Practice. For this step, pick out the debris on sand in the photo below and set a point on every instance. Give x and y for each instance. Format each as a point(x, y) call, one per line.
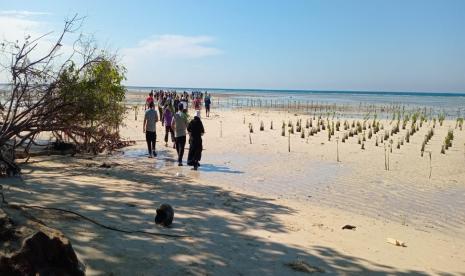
point(348, 227)
point(302, 266)
point(396, 242)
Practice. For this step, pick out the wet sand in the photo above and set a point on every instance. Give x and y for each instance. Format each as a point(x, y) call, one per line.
point(254, 208)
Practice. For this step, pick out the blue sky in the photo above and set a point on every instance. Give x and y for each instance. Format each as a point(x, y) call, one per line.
point(377, 45)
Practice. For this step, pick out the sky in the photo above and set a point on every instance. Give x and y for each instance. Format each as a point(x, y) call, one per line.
point(367, 45)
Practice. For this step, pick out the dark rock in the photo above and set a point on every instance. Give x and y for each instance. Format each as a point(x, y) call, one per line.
point(42, 255)
point(348, 227)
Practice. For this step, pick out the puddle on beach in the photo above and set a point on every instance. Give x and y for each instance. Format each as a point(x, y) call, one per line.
point(262, 173)
point(163, 160)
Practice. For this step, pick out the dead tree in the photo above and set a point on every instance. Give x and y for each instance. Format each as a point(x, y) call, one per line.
point(60, 95)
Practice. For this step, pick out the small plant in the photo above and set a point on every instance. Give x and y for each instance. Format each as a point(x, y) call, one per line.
point(407, 137)
point(459, 123)
point(359, 140)
point(329, 135)
point(441, 118)
point(271, 125)
point(363, 146)
point(376, 143)
point(262, 127)
point(250, 128)
point(302, 134)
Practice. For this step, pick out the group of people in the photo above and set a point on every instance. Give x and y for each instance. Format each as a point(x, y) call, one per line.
point(172, 112)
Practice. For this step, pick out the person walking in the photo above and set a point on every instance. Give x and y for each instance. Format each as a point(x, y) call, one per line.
point(149, 128)
point(179, 125)
point(196, 130)
point(207, 103)
point(167, 118)
point(149, 100)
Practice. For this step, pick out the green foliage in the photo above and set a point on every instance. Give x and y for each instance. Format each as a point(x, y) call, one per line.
point(94, 96)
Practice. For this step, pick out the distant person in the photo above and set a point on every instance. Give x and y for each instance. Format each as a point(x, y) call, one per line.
point(176, 104)
point(196, 130)
point(207, 103)
point(197, 103)
point(149, 128)
point(179, 125)
point(149, 100)
point(167, 118)
point(161, 104)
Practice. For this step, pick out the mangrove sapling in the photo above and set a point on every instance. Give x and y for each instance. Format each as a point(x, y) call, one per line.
point(459, 123)
point(250, 128)
point(398, 144)
point(262, 127)
point(310, 125)
point(307, 124)
point(376, 143)
point(329, 135)
point(302, 134)
point(407, 137)
point(370, 134)
point(441, 118)
point(359, 140)
point(271, 125)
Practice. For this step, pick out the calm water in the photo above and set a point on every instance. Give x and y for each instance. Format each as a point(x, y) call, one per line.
point(453, 104)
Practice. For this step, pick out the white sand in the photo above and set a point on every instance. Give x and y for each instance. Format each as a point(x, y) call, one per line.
point(252, 208)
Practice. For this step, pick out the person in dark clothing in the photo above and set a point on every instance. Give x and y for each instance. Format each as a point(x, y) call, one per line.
point(196, 130)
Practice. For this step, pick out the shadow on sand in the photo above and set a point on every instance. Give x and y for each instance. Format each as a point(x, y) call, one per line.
point(219, 222)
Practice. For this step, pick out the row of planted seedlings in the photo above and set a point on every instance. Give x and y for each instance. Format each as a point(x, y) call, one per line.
point(447, 141)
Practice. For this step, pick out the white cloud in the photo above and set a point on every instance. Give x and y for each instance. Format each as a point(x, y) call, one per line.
point(152, 60)
point(172, 46)
point(17, 13)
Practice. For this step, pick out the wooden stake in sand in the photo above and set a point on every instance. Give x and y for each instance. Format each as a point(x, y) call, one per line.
point(337, 148)
point(221, 129)
point(289, 141)
point(430, 165)
point(135, 112)
point(250, 138)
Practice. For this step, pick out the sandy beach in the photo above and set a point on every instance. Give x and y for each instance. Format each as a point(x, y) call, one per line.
point(254, 208)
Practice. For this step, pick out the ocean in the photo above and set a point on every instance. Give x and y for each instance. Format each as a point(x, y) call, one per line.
point(452, 104)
